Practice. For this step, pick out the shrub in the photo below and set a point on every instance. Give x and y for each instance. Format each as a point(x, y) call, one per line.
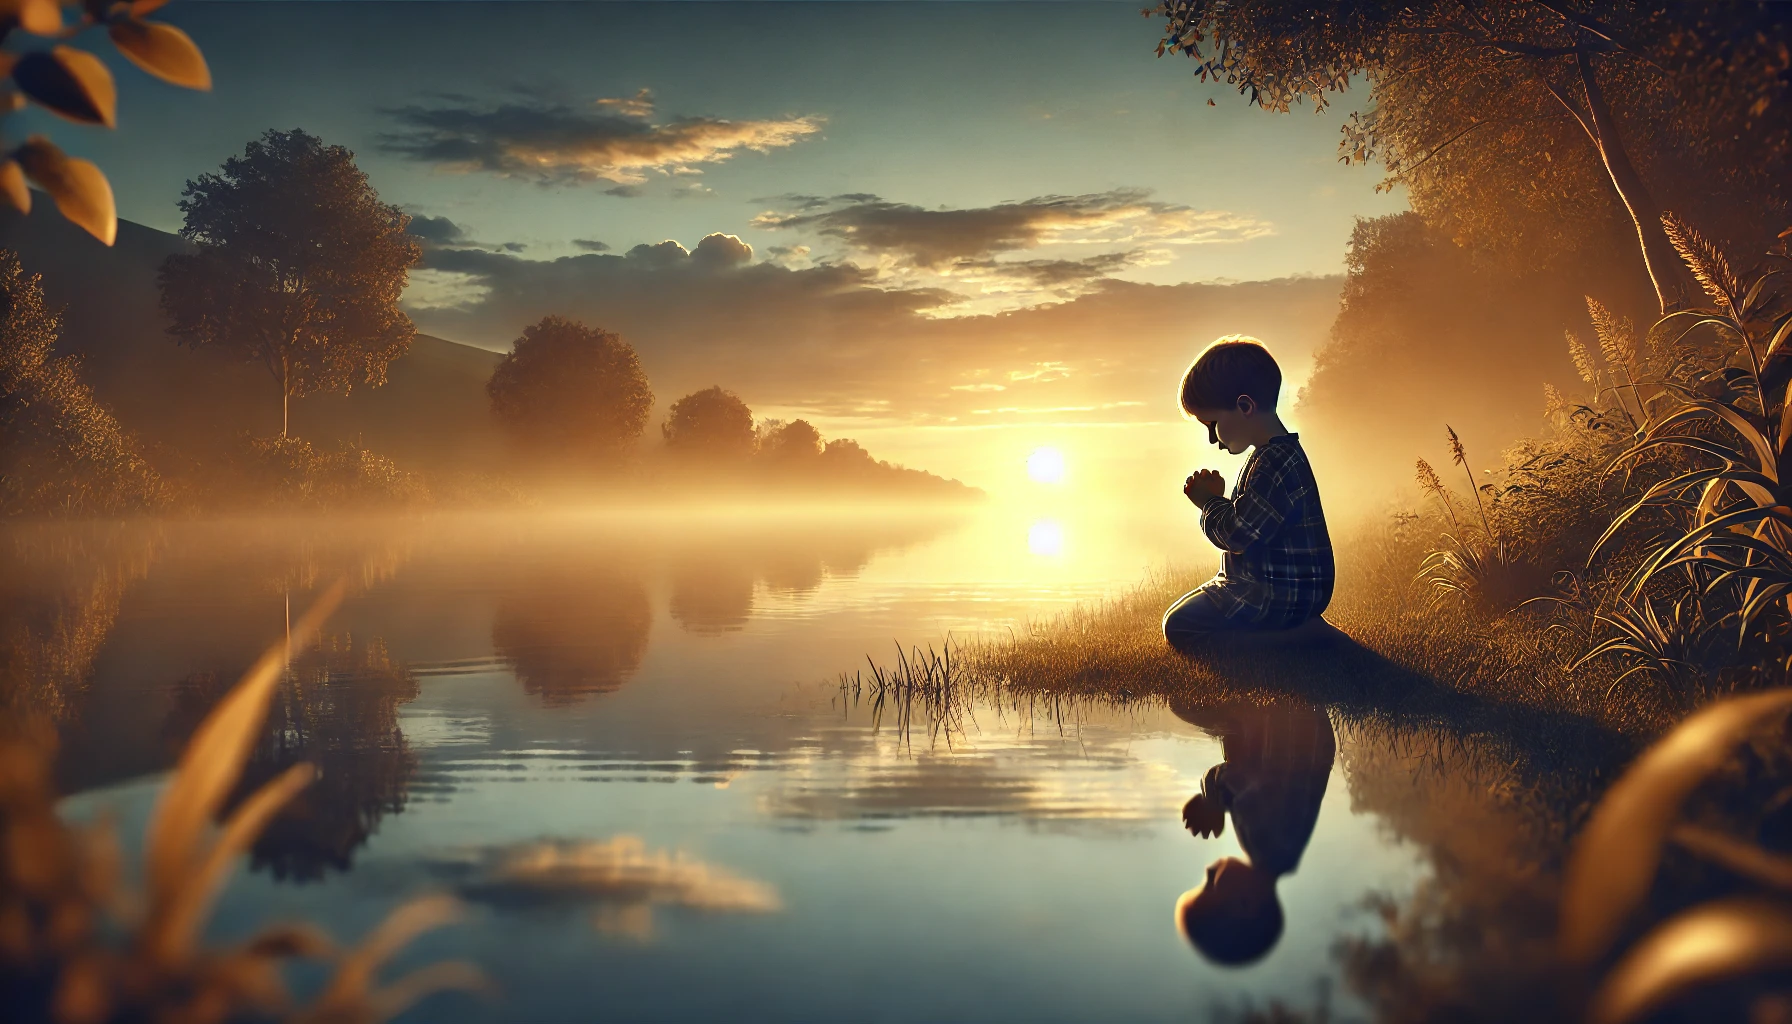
point(61, 452)
point(290, 472)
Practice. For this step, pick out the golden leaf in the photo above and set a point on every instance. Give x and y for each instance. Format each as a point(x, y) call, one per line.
point(69, 82)
point(162, 50)
point(141, 7)
point(79, 188)
point(1717, 941)
point(1613, 863)
point(38, 17)
point(12, 185)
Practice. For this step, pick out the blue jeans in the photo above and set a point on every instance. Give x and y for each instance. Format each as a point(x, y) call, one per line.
point(1195, 616)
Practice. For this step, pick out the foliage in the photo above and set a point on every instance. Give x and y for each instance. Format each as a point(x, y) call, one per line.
point(710, 424)
point(1484, 569)
point(60, 592)
point(1529, 128)
point(796, 441)
point(571, 391)
point(79, 947)
point(61, 452)
point(1615, 861)
point(291, 473)
point(76, 85)
point(1717, 436)
point(297, 265)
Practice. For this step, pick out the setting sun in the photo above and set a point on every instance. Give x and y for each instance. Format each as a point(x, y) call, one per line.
point(1046, 465)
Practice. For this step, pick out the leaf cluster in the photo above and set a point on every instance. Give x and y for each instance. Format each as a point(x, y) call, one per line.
point(76, 85)
point(1473, 106)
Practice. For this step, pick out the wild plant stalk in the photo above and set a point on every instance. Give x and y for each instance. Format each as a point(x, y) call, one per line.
point(1461, 458)
point(1429, 480)
point(1617, 341)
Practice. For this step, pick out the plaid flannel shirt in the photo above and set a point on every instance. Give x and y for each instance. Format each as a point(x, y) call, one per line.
point(1277, 570)
point(1278, 759)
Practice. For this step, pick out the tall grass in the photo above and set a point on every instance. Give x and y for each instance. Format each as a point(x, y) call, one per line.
point(78, 945)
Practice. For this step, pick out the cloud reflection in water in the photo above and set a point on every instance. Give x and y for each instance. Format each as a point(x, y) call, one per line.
point(620, 878)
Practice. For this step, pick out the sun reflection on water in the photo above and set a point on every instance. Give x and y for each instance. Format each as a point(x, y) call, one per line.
point(1046, 537)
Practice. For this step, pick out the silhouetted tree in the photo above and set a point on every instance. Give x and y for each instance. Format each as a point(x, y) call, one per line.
point(1515, 124)
point(297, 265)
point(710, 423)
point(338, 710)
point(572, 631)
point(571, 391)
point(60, 449)
point(796, 441)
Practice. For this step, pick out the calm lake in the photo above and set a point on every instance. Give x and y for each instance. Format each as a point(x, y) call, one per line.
point(621, 739)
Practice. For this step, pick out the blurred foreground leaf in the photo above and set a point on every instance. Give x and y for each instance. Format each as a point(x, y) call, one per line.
point(69, 82)
point(79, 188)
point(1614, 861)
point(162, 50)
point(1711, 943)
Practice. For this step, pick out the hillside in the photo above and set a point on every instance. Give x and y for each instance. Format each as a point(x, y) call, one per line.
point(190, 404)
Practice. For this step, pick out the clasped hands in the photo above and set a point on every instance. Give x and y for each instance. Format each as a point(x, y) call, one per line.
point(1205, 814)
point(1204, 484)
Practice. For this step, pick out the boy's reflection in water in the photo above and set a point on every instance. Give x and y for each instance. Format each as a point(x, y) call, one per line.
point(1278, 758)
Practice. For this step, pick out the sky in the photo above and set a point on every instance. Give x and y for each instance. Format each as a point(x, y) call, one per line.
point(925, 225)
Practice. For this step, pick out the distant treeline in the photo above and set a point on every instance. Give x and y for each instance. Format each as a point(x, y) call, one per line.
point(289, 261)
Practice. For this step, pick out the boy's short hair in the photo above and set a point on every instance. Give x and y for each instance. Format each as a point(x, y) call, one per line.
point(1227, 932)
point(1232, 366)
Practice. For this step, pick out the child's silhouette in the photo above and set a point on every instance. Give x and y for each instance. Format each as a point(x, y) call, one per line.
point(1277, 567)
point(1278, 758)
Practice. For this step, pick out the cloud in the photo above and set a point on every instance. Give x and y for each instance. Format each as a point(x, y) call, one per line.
point(721, 250)
point(591, 245)
point(940, 238)
point(553, 142)
point(436, 230)
point(817, 339)
point(619, 878)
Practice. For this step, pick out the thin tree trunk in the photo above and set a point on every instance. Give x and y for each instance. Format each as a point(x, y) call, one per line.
point(1659, 258)
point(285, 395)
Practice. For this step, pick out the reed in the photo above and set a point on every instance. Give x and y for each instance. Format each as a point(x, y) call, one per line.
point(78, 945)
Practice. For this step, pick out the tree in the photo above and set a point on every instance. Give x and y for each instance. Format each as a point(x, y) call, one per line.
point(571, 390)
point(795, 441)
point(1523, 126)
point(60, 449)
point(710, 423)
point(298, 266)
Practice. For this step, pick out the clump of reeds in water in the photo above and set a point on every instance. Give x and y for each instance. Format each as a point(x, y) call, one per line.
point(924, 681)
point(78, 945)
point(939, 692)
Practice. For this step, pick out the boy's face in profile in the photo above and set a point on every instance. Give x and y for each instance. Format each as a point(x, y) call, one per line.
point(1225, 427)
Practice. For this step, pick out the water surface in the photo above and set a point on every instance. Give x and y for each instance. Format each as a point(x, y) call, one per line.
point(620, 738)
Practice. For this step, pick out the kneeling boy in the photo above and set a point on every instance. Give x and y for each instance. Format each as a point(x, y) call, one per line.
point(1277, 569)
